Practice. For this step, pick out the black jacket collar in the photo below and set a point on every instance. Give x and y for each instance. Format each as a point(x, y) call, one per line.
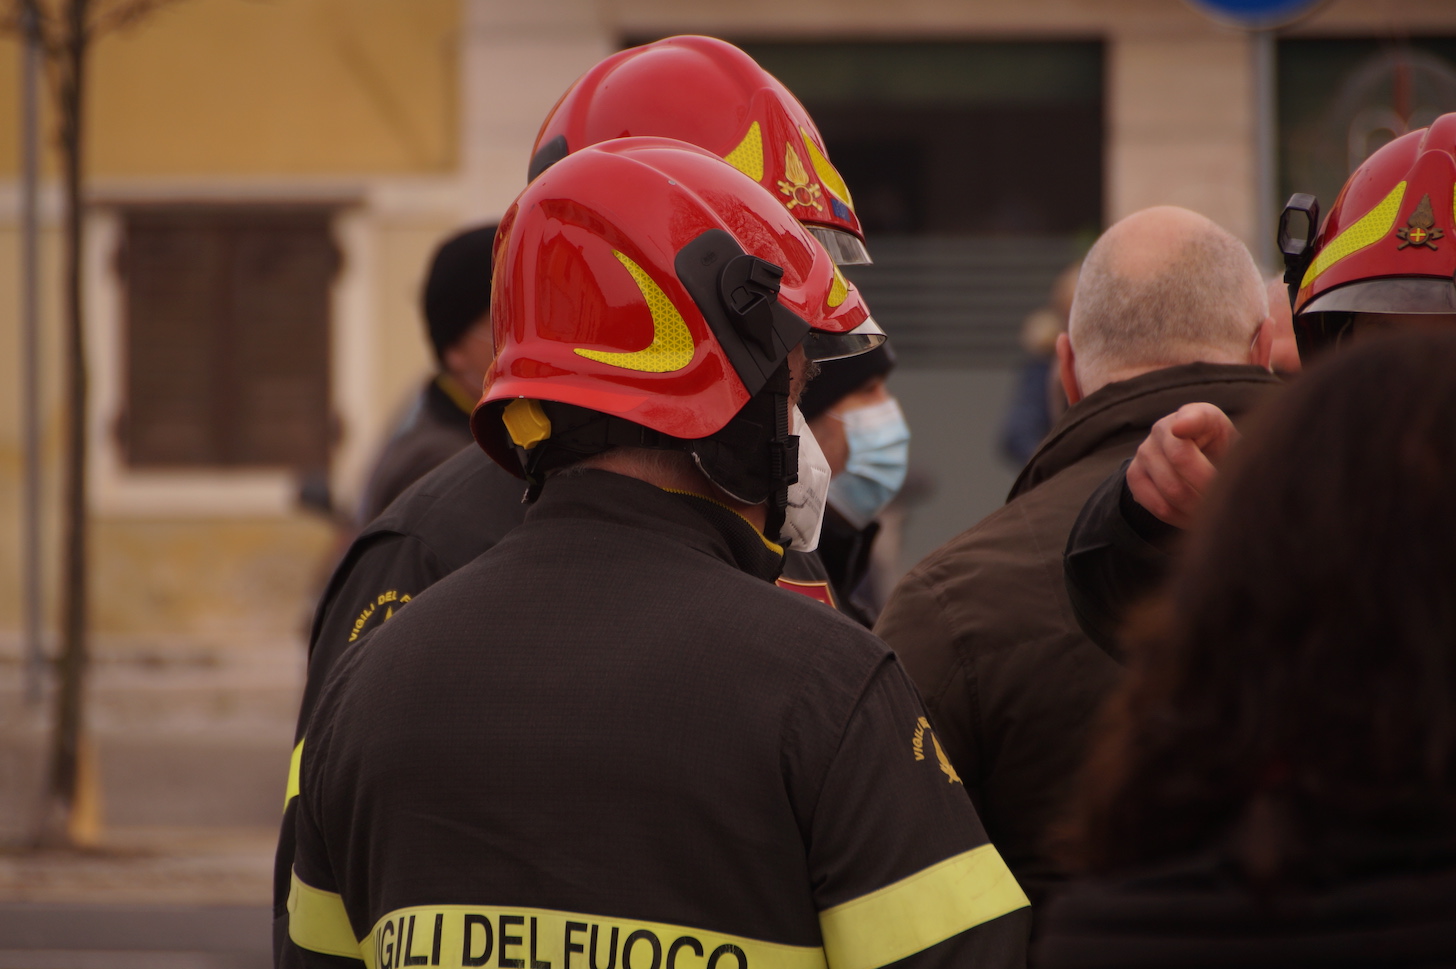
point(696, 521)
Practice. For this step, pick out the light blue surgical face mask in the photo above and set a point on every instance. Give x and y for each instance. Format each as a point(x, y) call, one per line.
point(879, 454)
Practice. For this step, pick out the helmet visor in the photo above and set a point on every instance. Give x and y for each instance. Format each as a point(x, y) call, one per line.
point(819, 345)
point(1394, 295)
point(845, 249)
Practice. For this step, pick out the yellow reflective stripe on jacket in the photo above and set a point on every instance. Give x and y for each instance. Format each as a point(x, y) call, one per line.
point(295, 767)
point(870, 931)
point(317, 921)
point(915, 913)
point(455, 936)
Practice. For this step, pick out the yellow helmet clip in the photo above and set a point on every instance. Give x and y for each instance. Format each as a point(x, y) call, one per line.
point(526, 422)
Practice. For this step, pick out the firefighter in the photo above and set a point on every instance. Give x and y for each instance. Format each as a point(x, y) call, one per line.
point(696, 89)
point(866, 440)
point(610, 740)
point(456, 304)
point(1383, 259)
point(707, 92)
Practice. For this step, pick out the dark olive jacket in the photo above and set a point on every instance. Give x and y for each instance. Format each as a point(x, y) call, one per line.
point(985, 628)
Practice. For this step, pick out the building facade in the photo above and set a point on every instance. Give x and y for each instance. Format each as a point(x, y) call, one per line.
point(266, 183)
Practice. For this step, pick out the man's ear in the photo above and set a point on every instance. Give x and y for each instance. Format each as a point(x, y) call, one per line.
point(1261, 351)
point(453, 360)
point(1067, 368)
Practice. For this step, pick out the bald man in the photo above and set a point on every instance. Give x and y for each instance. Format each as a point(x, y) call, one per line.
point(1169, 309)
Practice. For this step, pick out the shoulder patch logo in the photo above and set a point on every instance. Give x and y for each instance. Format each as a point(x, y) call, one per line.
point(917, 747)
point(386, 601)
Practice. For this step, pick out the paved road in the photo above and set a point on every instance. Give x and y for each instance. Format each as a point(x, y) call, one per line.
point(52, 936)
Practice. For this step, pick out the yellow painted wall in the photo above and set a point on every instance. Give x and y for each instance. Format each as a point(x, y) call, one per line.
point(234, 88)
point(404, 358)
point(208, 91)
point(245, 581)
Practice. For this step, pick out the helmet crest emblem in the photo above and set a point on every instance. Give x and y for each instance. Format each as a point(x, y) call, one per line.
point(1419, 230)
point(797, 187)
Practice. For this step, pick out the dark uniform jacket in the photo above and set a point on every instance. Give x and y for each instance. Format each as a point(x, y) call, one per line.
point(440, 523)
point(845, 553)
point(985, 629)
point(611, 741)
point(436, 427)
point(1197, 913)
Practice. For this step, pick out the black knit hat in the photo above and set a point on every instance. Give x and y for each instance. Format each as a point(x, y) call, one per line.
point(838, 379)
point(457, 292)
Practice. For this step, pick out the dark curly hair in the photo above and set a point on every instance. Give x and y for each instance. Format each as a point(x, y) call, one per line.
point(1292, 698)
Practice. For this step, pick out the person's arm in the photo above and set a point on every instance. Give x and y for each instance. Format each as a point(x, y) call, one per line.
point(1119, 550)
point(379, 575)
point(901, 868)
point(1175, 465)
point(914, 625)
point(312, 930)
point(1117, 553)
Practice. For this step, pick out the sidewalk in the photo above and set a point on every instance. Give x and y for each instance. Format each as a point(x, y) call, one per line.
point(192, 747)
point(168, 865)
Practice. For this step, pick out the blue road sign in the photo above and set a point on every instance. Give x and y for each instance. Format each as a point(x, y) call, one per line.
point(1256, 14)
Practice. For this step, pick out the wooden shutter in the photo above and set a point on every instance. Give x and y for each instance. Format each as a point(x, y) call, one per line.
point(227, 336)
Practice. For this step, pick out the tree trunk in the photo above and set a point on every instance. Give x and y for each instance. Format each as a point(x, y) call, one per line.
point(58, 817)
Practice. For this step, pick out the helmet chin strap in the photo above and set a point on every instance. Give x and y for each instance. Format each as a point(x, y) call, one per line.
point(754, 458)
point(783, 449)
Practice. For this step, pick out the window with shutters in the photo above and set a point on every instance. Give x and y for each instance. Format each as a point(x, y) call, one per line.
point(226, 336)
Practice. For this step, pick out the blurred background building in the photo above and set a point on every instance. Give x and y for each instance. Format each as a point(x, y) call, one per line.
point(267, 181)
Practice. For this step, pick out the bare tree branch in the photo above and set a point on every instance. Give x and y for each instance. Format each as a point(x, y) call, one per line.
point(123, 14)
point(103, 18)
point(64, 29)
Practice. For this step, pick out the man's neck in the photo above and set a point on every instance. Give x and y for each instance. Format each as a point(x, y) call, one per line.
point(1099, 380)
point(672, 475)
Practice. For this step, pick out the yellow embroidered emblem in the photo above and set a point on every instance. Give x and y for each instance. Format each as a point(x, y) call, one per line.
point(917, 747)
point(385, 599)
point(798, 188)
point(672, 343)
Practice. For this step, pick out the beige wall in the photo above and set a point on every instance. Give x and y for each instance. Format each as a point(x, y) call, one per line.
point(420, 116)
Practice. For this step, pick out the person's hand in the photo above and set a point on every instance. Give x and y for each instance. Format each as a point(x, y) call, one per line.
point(1176, 464)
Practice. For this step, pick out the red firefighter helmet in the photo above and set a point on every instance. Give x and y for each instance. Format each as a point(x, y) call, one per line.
point(648, 282)
point(709, 93)
point(1388, 245)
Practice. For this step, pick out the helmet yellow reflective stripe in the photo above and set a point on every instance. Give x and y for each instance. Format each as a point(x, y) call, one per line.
point(748, 156)
point(838, 290)
point(1370, 229)
point(828, 175)
point(672, 345)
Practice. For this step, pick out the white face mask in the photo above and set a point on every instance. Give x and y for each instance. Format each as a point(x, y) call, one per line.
point(805, 514)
